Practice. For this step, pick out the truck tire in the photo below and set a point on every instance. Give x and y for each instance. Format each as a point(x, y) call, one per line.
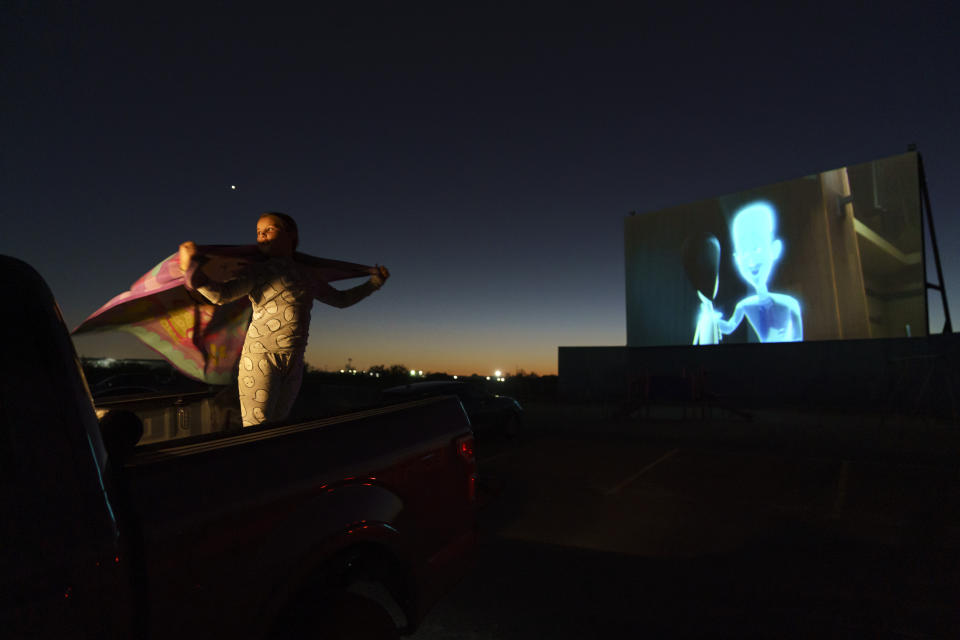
point(357, 618)
point(343, 616)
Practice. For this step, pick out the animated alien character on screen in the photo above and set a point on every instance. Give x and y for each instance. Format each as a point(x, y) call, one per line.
point(775, 317)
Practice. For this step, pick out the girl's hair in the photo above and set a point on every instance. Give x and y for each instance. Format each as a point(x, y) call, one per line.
point(289, 225)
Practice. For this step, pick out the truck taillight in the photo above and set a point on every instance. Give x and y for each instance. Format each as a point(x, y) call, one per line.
point(465, 448)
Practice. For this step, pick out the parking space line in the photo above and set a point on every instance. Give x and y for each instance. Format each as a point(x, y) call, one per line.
point(616, 489)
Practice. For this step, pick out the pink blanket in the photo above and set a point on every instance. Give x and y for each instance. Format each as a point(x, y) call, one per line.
point(200, 339)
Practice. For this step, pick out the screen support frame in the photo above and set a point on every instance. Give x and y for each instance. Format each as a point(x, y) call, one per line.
point(941, 286)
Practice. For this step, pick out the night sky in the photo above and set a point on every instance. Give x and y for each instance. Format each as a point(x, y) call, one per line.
point(487, 156)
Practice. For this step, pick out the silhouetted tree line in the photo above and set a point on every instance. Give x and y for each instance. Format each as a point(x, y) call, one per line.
point(522, 385)
point(97, 369)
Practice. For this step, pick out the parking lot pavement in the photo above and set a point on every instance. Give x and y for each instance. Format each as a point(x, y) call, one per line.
point(597, 535)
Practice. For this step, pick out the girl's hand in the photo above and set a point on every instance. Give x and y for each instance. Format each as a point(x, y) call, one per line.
point(380, 276)
point(187, 251)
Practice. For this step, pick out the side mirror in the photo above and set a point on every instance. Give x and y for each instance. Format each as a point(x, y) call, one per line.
point(121, 431)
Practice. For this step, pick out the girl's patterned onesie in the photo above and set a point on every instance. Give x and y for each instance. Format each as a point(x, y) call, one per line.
point(271, 365)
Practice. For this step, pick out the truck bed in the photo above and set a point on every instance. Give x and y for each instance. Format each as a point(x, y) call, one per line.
point(247, 510)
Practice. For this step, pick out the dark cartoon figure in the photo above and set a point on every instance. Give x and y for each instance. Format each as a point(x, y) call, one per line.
point(701, 260)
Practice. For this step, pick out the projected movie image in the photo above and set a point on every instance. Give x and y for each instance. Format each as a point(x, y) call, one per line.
point(836, 255)
point(774, 317)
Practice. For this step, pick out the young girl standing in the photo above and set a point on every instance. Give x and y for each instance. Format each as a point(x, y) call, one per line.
point(281, 293)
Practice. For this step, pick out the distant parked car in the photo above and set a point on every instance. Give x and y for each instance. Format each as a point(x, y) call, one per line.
point(487, 411)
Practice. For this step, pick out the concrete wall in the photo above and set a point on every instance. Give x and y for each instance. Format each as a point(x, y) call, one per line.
point(915, 375)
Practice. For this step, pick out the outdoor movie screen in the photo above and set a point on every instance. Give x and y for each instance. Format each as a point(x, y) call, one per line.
point(835, 255)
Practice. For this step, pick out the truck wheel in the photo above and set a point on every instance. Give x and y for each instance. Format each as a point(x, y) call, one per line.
point(353, 617)
point(340, 616)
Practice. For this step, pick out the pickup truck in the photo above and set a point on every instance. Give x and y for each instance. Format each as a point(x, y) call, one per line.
point(350, 525)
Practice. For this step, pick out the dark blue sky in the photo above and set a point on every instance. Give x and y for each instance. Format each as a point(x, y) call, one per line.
point(487, 156)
